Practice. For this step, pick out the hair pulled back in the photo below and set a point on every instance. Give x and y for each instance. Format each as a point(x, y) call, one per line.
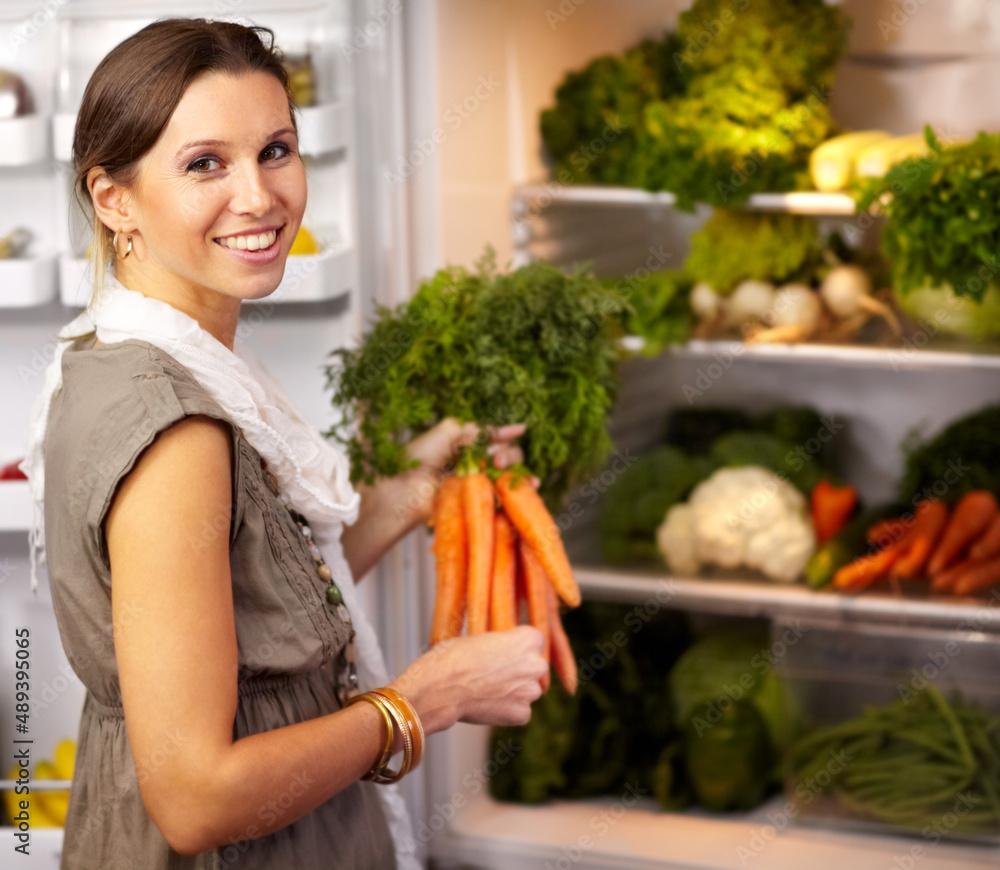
point(135, 89)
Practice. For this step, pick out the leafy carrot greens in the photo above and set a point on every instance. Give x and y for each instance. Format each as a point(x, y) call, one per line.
point(534, 346)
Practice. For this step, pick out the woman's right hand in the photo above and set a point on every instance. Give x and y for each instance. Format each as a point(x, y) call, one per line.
point(486, 679)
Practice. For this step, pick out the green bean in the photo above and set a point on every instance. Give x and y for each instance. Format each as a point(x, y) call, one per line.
point(963, 744)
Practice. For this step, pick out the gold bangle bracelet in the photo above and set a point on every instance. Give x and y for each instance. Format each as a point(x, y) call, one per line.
point(404, 732)
point(380, 774)
point(379, 768)
point(412, 720)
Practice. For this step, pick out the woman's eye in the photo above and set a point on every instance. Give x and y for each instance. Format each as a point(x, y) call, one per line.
point(275, 151)
point(204, 164)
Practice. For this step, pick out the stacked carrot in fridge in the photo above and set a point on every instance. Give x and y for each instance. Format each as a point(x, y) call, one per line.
point(956, 549)
point(501, 561)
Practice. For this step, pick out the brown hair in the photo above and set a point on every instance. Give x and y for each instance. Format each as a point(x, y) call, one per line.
point(135, 89)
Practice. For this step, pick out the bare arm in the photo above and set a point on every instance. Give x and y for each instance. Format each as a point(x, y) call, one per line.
point(175, 645)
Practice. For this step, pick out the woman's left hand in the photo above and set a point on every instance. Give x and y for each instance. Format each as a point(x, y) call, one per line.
point(437, 448)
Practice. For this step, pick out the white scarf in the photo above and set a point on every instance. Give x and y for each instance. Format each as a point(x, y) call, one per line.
point(314, 474)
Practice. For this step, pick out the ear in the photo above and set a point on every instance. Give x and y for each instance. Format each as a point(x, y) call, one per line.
point(112, 202)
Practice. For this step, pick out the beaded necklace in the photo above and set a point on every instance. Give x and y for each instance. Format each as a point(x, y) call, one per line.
point(347, 685)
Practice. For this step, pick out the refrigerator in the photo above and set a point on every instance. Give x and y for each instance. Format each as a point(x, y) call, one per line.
point(422, 148)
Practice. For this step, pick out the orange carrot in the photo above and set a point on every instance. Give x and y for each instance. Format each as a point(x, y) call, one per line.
point(929, 523)
point(944, 581)
point(866, 570)
point(888, 532)
point(451, 561)
point(535, 583)
point(972, 515)
point(562, 652)
point(526, 510)
point(503, 603)
point(477, 498)
point(978, 576)
point(988, 544)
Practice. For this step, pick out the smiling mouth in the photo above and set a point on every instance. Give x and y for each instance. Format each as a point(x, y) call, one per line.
point(250, 242)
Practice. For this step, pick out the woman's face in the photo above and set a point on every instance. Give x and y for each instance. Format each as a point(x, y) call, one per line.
point(220, 196)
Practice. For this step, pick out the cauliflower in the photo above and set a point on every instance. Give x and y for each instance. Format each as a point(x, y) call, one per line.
point(676, 537)
point(747, 517)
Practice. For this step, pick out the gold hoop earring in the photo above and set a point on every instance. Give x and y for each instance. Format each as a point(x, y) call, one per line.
point(128, 245)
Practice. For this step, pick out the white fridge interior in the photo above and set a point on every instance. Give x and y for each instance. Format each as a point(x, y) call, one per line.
point(907, 65)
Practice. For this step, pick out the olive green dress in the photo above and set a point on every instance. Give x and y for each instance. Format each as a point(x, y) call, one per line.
point(114, 401)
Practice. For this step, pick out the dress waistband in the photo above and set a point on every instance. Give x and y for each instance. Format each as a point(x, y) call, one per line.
point(261, 685)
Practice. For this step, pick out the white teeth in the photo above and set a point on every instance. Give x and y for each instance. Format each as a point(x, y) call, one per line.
point(249, 243)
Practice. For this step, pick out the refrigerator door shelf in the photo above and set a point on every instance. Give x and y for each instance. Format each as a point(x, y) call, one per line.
point(26, 140)
point(15, 506)
point(27, 282)
point(323, 129)
point(328, 275)
point(534, 196)
point(44, 852)
point(331, 274)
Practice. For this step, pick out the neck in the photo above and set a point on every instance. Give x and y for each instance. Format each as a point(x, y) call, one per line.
point(217, 314)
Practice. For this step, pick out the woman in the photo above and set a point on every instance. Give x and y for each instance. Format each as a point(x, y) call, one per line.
point(193, 520)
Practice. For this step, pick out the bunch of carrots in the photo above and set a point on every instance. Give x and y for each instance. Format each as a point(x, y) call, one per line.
point(501, 561)
point(957, 550)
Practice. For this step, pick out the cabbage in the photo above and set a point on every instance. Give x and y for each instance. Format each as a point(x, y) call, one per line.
point(944, 311)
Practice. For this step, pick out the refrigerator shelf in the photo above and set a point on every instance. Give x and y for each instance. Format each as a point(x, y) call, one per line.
point(27, 282)
point(38, 784)
point(805, 202)
point(943, 354)
point(331, 274)
point(599, 834)
point(15, 512)
point(746, 597)
point(26, 140)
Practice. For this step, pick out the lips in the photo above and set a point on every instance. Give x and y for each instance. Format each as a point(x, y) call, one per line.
point(249, 241)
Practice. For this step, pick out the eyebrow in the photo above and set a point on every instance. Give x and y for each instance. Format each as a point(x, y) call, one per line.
point(216, 143)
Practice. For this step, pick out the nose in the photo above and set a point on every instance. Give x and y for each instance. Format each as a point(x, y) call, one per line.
point(251, 194)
